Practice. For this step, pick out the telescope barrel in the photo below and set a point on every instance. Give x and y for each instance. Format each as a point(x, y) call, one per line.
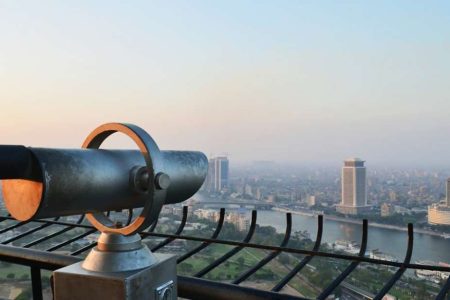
point(16, 162)
point(187, 171)
point(43, 182)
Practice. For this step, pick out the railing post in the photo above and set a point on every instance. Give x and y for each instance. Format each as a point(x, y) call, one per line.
point(36, 283)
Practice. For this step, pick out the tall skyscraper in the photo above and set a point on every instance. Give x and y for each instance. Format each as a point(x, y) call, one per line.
point(354, 182)
point(218, 170)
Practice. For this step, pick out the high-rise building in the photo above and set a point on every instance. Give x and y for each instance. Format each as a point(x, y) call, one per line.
point(354, 183)
point(248, 190)
point(218, 170)
point(258, 193)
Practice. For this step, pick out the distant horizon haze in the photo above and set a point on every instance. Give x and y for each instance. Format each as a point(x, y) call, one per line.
point(301, 82)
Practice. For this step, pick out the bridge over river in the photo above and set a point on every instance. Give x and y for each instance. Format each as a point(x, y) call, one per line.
point(254, 204)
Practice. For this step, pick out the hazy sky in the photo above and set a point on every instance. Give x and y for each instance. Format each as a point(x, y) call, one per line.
point(295, 80)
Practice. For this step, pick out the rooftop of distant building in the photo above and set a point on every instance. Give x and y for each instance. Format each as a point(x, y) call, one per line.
point(354, 159)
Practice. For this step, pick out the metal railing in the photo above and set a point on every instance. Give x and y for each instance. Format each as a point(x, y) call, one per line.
point(195, 286)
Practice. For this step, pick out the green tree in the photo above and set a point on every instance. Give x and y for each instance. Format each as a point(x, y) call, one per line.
point(24, 277)
point(284, 259)
point(186, 267)
point(24, 295)
point(241, 261)
point(46, 281)
point(421, 291)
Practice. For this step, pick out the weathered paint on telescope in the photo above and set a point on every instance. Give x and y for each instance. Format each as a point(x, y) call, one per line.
point(76, 181)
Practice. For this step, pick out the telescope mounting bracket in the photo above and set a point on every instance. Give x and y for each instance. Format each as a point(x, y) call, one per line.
point(155, 192)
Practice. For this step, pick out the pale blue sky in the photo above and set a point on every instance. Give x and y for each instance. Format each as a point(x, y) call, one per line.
point(280, 80)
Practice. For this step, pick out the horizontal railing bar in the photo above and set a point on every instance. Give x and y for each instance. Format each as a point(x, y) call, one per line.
point(24, 234)
point(35, 258)
point(188, 287)
point(272, 248)
point(295, 270)
point(69, 241)
point(205, 244)
point(199, 288)
point(178, 232)
point(3, 230)
point(83, 249)
point(48, 237)
point(230, 253)
point(304, 252)
point(54, 222)
point(270, 256)
point(341, 277)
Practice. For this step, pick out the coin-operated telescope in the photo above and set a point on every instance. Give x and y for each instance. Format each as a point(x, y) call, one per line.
point(42, 183)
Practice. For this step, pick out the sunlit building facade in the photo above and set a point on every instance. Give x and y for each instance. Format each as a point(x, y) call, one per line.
point(439, 214)
point(354, 183)
point(387, 210)
point(218, 173)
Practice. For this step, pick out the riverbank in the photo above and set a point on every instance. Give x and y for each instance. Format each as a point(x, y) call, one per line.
point(359, 222)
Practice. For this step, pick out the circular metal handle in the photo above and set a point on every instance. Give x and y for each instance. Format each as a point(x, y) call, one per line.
point(153, 162)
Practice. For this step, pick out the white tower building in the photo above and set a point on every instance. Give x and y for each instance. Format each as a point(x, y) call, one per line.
point(354, 187)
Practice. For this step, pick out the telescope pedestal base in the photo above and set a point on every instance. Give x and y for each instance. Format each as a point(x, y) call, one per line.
point(157, 282)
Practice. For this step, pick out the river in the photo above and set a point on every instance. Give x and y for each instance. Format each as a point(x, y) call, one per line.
point(392, 242)
point(389, 241)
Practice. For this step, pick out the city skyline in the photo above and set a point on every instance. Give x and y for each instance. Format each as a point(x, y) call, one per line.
point(317, 164)
point(300, 82)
